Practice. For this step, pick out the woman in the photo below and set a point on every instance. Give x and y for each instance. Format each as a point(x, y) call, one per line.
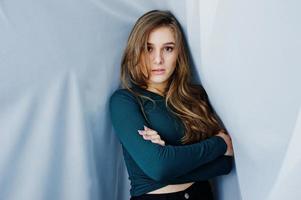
point(172, 141)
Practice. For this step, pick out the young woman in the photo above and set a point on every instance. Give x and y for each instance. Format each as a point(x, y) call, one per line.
point(171, 138)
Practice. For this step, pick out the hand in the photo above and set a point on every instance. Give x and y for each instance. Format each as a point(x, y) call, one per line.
point(228, 141)
point(152, 135)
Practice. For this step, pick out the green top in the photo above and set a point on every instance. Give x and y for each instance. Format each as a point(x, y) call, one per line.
point(151, 166)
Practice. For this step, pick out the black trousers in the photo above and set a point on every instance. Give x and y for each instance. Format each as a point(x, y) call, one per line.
point(197, 191)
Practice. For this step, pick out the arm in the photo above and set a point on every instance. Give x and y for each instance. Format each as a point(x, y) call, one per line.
point(158, 162)
point(220, 166)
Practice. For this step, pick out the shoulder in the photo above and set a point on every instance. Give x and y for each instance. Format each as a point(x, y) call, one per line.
point(122, 95)
point(121, 92)
point(122, 102)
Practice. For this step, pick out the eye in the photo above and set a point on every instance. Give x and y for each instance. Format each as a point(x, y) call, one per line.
point(168, 49)
point(149, 49)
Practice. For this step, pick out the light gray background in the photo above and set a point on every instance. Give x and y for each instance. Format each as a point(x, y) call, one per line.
point(59, 63)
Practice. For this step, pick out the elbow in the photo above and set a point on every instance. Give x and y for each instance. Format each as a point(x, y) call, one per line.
point(228, 165)
point(227, 170)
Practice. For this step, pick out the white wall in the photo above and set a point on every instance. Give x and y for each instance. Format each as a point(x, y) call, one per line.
point(59, 62)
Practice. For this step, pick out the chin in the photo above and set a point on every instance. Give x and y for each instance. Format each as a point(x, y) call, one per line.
point(158, 81)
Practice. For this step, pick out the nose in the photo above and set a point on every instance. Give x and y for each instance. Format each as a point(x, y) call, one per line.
point(158, 59)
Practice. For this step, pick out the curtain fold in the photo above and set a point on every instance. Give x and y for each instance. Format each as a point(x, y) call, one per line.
point(60, 62)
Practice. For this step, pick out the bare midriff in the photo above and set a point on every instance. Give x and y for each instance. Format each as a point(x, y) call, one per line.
point(171, 188)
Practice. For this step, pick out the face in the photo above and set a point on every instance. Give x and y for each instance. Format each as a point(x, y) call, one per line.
point(162, 56)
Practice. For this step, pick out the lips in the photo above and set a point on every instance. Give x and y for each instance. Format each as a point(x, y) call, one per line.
point(158, 71)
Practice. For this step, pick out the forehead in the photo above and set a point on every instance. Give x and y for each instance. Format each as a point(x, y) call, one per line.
point(161, 35)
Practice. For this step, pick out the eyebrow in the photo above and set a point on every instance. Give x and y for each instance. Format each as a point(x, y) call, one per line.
point(167, 43)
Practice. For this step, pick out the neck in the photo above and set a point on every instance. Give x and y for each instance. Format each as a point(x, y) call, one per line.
point(157, 88)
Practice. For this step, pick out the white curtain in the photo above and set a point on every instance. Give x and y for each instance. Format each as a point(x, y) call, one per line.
point(59, 63)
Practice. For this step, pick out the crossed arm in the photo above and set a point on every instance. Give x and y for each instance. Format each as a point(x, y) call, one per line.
point(220, 166)
point(166, 163)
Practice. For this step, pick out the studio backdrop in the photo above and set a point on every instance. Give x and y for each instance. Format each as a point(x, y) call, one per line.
point(60, 62)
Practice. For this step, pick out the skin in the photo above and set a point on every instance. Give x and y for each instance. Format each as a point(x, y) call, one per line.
point(162, 54)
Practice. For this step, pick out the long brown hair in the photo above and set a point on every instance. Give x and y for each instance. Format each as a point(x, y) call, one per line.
point(187, 101)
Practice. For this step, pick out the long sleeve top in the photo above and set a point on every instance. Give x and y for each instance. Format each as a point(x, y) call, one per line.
point(151, 166)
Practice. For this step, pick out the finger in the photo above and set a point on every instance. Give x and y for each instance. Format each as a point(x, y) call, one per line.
point(154, 140)
point(153, 137)
point(149, 137)
point(160, 142)
point(141, 132)
point(146, 128)
point(146, 137)
point(151, 132)
point(146, 132)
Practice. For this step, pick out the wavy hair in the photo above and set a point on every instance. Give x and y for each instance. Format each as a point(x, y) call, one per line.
point(187, 101)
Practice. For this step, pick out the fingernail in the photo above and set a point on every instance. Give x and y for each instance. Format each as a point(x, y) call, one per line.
point(140, 132)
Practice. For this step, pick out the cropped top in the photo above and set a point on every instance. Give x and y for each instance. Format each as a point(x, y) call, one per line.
point(151, 166)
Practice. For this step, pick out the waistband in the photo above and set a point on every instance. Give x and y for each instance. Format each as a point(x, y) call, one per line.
point(199, 187)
